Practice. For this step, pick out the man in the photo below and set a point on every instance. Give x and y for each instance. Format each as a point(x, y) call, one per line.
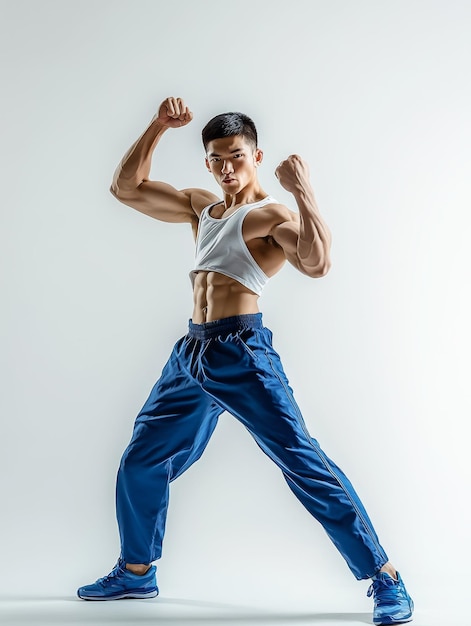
point(227, 362)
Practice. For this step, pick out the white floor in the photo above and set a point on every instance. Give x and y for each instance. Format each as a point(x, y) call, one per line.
point(180, 612)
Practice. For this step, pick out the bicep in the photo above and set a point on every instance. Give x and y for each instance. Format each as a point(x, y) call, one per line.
point(314, 264)
point(286, 236)
point(163, 202)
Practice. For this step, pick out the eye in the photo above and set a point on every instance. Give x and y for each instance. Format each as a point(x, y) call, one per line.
point(237, 156)
point(214, 159)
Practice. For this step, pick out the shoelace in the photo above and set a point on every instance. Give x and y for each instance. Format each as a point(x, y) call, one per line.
point(386, 592)
point(118, 569)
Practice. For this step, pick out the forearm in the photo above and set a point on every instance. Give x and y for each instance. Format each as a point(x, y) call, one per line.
point(314, 239)
point(134, 167)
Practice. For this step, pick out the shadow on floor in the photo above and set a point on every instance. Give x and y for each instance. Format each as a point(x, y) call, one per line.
point(161, 611)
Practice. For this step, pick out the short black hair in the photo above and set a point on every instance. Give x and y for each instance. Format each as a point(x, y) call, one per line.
point(228, 125)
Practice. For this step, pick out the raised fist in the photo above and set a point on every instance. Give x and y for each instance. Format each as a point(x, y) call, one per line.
point(292, 172)
point(174, 113)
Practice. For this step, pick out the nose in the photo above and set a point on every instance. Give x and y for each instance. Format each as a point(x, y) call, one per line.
point(227, 167)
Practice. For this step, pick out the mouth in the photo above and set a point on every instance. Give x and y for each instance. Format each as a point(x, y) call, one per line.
point(227, 181)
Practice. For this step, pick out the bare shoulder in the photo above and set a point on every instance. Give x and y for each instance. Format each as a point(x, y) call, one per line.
point(264, 221)
point(278, 214)
point(163, 202)
point(284, 227)
point(200, 199)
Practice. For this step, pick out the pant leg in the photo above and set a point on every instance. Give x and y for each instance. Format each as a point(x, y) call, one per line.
point(246, 376)
point(170, 433)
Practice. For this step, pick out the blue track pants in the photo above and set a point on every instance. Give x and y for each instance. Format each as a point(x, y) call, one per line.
point(230, 365)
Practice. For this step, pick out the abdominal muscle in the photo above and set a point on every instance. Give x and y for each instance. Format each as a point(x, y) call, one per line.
point(216, 296)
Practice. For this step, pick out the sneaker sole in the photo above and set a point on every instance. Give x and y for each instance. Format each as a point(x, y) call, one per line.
point(390, 620)
point(122, 596)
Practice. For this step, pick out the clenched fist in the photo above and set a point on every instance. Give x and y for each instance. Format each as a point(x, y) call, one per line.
point(293, 173)
point(174, 113)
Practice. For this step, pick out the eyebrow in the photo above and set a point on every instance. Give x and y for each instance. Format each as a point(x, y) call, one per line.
point(214, 154)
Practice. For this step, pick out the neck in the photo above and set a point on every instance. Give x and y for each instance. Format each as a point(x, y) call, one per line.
point(248, 195)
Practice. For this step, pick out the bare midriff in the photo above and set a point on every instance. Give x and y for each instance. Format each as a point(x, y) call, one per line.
point(216, 296)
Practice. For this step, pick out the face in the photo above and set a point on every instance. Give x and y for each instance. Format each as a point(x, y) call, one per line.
point(233, 162)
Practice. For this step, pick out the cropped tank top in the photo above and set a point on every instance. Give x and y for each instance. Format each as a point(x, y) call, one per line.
point(220, 247)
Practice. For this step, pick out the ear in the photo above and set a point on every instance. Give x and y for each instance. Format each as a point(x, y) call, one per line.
point(207, 164)
point(258, 156)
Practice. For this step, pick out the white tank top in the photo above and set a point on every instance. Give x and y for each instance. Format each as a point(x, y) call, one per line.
point(220, 247)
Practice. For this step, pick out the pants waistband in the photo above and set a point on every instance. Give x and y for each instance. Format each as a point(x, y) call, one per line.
point(225, 326)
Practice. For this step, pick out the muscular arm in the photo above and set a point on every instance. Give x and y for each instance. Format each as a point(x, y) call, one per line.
point(131, 184)
point(305, 238)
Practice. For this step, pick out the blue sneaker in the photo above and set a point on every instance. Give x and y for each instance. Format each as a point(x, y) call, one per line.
point(121, 583)
point(393, 605)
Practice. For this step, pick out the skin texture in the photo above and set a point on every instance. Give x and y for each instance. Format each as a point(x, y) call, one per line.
point(273, 233)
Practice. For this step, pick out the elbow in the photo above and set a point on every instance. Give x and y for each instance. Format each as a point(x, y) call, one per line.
point(119, 193)
point(322, 270)
point(319, 270)
point(122, 187)
point(115, 189)
point(315, 262)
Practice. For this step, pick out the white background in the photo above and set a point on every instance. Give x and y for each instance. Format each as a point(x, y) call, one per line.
point(375, 95)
